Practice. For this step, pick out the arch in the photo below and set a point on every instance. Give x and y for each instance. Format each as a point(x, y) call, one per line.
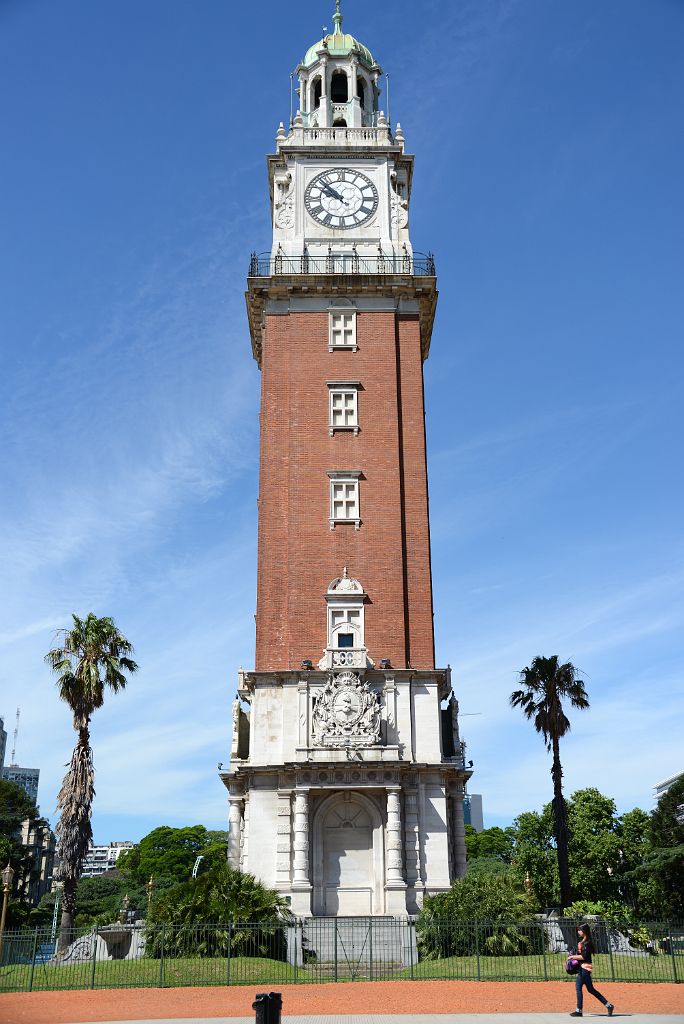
point(348, 896)
point(361, 91)
point(339, 122)
point(316, 92)
point(339, 86)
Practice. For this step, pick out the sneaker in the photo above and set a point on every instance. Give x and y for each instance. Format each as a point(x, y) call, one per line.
point(610, 1008)
point(576, 1013)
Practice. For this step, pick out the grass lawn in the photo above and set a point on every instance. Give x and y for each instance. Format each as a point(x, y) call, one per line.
point(195, 971)
point(624, 967)
point(147, 973)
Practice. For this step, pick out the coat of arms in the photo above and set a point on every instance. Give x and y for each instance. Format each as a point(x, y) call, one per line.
point(347, 713)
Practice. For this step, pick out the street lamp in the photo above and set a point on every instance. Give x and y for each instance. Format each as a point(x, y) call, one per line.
point(123, 916)
point(7, 876)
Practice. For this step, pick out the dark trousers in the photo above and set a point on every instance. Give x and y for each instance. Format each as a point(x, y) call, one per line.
point(584, 978)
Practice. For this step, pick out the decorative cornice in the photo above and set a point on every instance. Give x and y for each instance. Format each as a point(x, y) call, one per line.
point(398, 286)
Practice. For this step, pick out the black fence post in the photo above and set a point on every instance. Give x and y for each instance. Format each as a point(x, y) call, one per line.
point(161, 958)
point(609, 943)
point(542, 932)
point(672, 951)
point(334, 921)
point(33, 960)
point(477, 948)
point(94, 961)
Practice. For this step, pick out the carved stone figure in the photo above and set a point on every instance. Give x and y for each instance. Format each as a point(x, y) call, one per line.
point(284, 201)
point(347, 713)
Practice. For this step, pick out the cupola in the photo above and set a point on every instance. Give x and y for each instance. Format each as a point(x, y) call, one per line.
point(338, 81)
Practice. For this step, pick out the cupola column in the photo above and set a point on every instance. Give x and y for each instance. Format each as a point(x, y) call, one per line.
point(354, 105)
point(324, 115)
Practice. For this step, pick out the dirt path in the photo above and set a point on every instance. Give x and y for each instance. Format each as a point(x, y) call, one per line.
point(348, 998)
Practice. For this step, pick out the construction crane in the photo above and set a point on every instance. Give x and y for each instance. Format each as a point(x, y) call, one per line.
point(13, 762)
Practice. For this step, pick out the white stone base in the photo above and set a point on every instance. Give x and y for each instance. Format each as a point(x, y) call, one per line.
point(300, 901)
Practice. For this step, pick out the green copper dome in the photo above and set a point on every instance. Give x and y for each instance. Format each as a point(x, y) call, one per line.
point(338, 44)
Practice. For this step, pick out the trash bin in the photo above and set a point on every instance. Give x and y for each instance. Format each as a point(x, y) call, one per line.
point(268, 1006)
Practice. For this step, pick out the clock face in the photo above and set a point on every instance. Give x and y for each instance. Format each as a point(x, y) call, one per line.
point(341, 198)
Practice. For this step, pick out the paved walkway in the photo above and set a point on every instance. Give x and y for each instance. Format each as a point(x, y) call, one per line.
point(372, 1002)
point(425, 1018)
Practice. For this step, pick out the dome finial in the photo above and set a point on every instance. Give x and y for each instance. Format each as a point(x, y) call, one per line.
point(337, 19)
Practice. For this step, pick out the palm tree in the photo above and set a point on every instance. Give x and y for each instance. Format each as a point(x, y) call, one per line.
point(546, 685)
point(91, 656)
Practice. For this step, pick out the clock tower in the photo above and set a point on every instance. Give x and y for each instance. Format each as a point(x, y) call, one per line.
point(346, 777)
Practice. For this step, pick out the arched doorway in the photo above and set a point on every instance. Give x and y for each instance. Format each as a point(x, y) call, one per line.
point(348, 859)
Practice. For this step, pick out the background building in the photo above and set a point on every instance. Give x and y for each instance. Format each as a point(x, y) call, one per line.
point(3, 745)
point(472, 811)
point(39, 841)
point(103, 858)
point(27, 778)
point(661, 788)
point(347, 777)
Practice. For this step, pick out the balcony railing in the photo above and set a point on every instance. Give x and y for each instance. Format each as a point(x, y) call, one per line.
point(348, 657)
point(267, 265)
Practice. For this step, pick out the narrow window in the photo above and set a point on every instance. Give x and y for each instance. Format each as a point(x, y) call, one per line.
point(342, 329)
point(344, 497)
point(344, 406)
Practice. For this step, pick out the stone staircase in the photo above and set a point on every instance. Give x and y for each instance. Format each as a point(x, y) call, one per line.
point(360, 947)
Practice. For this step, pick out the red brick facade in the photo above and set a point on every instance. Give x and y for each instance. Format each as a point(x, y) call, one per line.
point(298, 552)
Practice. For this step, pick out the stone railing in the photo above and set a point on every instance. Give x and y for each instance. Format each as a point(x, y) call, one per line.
point(300, 136)
point(348, 657)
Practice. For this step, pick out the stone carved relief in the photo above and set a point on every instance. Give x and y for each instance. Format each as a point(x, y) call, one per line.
point(398, 200)
point(347, 713)
point(345, 584)
point(284, 201)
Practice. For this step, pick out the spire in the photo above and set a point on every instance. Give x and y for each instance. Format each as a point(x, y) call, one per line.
point(337, 19)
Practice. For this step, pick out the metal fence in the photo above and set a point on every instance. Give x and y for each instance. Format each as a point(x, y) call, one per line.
point(267, 265)
point(314, 950)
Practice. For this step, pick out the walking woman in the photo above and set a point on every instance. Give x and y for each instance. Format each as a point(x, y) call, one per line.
point(585, 948)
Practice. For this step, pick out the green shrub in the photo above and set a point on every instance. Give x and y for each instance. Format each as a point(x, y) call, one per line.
point(484, 912)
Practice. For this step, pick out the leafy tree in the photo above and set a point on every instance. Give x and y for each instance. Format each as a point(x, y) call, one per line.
point(169, 854)
point(639, 891)
point(534, 855)
point(496, 843)
point(496, 901)
point(16, 806)
point(604, 852)
point(91, 657)
point(595, 849)
point(546, 685)
point(663, 863)
point(220, 897)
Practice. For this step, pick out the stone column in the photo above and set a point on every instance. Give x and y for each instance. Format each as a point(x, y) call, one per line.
point(301, 883)
point(284, 841)
point(234, 830)
point(459, 834)
point(324, 111)
point(395, 886)
point(411, 847)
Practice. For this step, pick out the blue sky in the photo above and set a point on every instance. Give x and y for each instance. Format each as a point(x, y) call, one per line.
point(549, 162)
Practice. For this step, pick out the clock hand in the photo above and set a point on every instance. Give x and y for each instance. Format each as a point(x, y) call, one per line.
point(331, 191)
